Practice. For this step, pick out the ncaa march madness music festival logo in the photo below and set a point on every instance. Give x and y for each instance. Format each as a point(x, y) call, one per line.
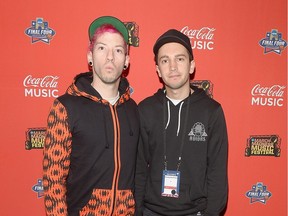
point(35, 138)
point(263, 145)
point(206, 85)
point(40, 31)
point(273, 42)
point(133, 33)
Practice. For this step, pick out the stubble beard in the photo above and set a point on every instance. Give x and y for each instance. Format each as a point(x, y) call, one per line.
point(108, 79)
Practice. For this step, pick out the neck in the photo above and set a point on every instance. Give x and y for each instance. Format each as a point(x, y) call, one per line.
point(178, 94)
point(106, 90)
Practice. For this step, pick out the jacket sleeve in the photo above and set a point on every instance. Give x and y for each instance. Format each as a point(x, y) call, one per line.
point(217, 183)
point(56, 160)
point(141, 168)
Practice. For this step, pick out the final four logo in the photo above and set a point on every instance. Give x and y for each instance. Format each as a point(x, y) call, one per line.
point(40, 31)
point(273, 42)
point(38, 188)
point(258, 193)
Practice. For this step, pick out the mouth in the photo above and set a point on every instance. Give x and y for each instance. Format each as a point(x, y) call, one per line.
point(109, 67)
point(174, 76)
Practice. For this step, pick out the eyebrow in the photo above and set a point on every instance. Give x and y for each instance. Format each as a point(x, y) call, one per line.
point(181, 55)
point(177, 56)
point(100, 43)
point(162, 57)
point(104, 44)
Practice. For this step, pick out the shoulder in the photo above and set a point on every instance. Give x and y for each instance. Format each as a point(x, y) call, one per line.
point(150, 103)
point(153, 100)
point(203, 98)
point(65, 97)
point(213, 103)
point(68, 99)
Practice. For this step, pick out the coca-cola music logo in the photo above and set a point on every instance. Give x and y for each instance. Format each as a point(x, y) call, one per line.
point(41, 86)
point(268, 95)
point(200, 38)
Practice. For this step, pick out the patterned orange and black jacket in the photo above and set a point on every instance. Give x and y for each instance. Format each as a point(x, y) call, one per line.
point(90, 152)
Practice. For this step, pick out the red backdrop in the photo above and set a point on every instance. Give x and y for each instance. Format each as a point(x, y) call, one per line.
point(240, 50)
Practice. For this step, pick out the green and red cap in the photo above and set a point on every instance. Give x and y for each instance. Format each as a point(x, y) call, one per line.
point(108, 20)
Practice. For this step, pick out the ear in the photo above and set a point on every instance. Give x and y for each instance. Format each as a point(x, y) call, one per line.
point(89, 57)
point(127, 61)
point(158, 71)
point(192, 67)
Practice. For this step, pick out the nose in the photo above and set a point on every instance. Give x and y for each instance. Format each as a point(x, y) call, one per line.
point(173, 66)
point(110, 56)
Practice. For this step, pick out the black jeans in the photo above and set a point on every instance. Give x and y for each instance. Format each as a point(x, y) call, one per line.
point(148, 212)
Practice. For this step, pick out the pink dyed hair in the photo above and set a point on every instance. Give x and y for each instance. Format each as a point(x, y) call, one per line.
point(101, 30)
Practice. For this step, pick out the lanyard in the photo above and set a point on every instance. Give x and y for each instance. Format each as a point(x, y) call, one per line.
point(182, 138)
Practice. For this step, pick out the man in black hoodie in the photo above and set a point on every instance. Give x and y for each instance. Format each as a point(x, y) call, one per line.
point(182, 155)
point(92, 133)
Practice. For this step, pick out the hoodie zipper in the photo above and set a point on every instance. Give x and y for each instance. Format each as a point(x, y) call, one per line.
point(117, 163)
point(177, 132)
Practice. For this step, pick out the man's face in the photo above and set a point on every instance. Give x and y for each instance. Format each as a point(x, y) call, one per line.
point(108, 57)
point(174, 66)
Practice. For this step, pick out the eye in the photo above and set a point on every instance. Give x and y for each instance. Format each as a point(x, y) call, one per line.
point(100, 48)
point(164, 61)
point(180, 59)
point(120, 51)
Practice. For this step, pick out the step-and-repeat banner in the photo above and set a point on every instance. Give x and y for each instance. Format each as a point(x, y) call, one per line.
point(240, 50)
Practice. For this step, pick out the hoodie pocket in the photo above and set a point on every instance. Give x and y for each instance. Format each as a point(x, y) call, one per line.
point(125, 203)
point(197, 196)
point(153, 191)
point(98, 203)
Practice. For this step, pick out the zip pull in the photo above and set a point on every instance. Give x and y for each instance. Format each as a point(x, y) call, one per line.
point(179, 163)
point(165, 162)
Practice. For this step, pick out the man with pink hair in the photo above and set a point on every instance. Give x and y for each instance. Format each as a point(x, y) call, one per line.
point(92, 133)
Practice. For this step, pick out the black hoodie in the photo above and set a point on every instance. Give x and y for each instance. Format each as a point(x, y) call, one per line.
point(198, 122)
point(90, 152)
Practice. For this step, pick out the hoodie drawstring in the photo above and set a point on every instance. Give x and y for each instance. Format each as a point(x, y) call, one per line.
point(179, 116)
point(128, 120)
point(106, 128)
point(168, 113)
